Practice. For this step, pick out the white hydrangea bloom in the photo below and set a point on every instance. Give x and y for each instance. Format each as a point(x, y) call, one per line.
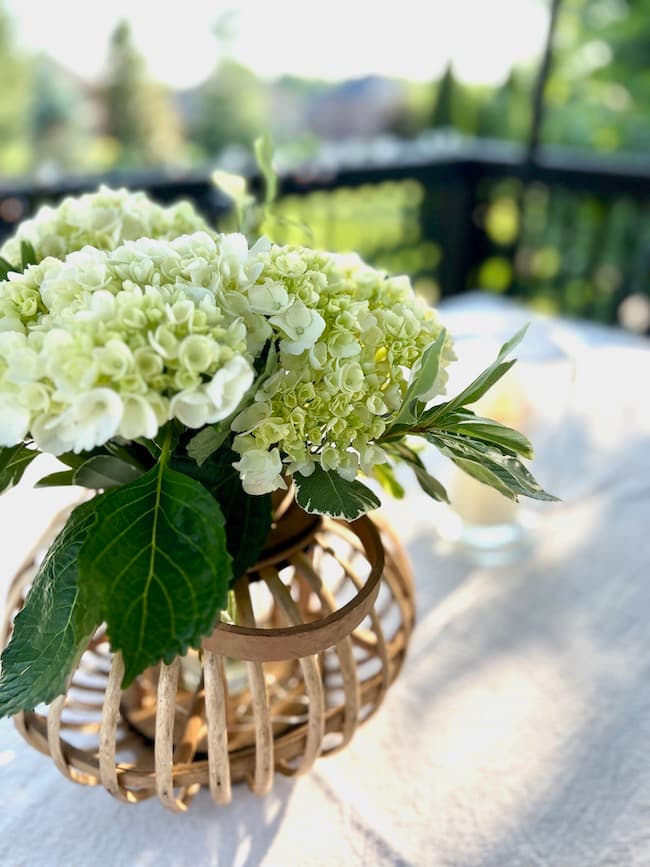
point(14, 421)
point(301, 326)
point(348, 340)
point(260, 471)
point(126, 323)
point(106, 356)
point(228, 386)
point(92, 419)
point(104, 219)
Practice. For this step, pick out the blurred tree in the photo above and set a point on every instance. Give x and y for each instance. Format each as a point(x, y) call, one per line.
point(232, 108)
point(140, 114)
point(15, 97)
point(60, 120)
point(443, 109)
point(599, 88)
point(505, 112)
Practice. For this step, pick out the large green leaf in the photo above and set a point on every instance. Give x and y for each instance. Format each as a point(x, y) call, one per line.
point(248, 518)
point(490, 465)
point(326, 493)
point(14, 460)
point(53, 629)
point(159, 561)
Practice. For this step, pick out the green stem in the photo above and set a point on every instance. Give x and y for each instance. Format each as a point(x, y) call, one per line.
point(165, 449)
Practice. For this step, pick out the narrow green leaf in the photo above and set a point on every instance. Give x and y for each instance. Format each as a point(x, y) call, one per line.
point(483, 474)
point(465, 422)
point(27, 254)
point(422, 382)
point(6, 268)
point(14, 460)
point(326, 493)
point(70, 459)
point(159, 561)
point(471, 454)
point(236, 188)
point(56, 480)
point(53, 629)
point(105, 471)
point(385, 475)
point(483, 382)
point(248, 518)
point(429, 484)
point(264, 155)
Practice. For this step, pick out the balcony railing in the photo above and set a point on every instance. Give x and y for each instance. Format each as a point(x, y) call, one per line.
point(568, 232)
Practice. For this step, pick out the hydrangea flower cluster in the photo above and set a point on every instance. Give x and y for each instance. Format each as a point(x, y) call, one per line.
point(349, 335)
point(104, 219)
point(116, 343)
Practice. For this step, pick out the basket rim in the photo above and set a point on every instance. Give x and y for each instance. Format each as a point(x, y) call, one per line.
point(296, 642)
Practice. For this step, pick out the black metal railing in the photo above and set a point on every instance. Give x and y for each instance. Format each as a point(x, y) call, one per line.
point(568, 232)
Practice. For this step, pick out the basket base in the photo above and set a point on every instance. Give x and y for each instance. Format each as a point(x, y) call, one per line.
point(209, 720)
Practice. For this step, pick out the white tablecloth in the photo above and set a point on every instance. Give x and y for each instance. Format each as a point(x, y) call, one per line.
point(519, 731)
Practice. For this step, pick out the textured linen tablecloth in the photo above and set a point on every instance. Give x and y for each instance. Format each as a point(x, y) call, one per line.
point(519, 731)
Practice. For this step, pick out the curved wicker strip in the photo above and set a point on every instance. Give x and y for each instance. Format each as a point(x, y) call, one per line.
point(312, 678)
point(261, 780)
point(108, 730)
point(164, 740)
point(290, 682)
point(217, 726)
point(345, 655)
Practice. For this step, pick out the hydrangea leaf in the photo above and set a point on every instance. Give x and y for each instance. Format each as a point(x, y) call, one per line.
point(14, 460)
point(326, 493)
point(159, 561)
point(248, 517)
point(54, 627)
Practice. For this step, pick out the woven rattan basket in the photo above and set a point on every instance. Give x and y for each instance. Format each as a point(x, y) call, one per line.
point(324, 621)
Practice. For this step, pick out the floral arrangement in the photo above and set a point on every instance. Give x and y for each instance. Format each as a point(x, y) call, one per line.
point(184, 376)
